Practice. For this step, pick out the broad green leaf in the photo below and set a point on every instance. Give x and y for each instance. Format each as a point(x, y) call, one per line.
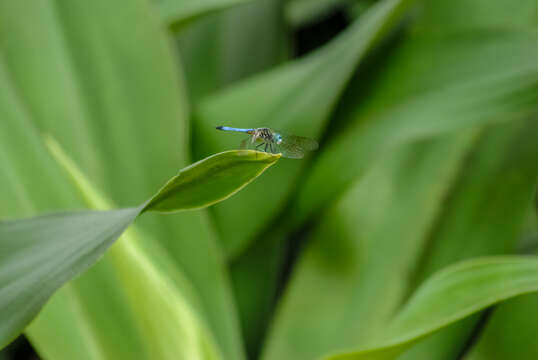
point(176, 13)
point(94, 86)
point(228, 46)
point(361, 251)
point(451, 295)
point(484, 192)
point(101, 78)
point(23, 156)
point(17, 134)
point(175, 327)
point(420, 96)
point(368, 245)
point(510, 332)
point(438, 17)
point(477, 206)
point(40, 254)
point(296, 98)
point(77, 320)
point(145, 285)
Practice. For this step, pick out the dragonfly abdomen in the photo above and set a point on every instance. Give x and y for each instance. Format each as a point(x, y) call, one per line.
point(227, 128)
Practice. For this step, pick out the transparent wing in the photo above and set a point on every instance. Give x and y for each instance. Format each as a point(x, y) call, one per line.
point(291, 151)
point(244, 144)
point(303, 142)
point(295, 146)
point(248, 144)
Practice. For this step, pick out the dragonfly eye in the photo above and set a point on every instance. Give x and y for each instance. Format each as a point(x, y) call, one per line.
point(278, 138)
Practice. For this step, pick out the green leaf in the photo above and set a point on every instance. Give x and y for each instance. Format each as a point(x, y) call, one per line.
point(106, 85)
point(500, 174)
point(296, 98)
point(368, 246)
point(164, 287)
point(108, 77)
point(40, 254)
point(510, 332)
point(369, 243)
point(213, 48)
point(420, 96)
point(211, 180)
point(176, 13)
point(451, 295)
point(361, 251)
point(488, 236)
point(176, 326)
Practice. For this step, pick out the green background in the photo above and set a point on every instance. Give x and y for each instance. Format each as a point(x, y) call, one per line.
point(426, 116)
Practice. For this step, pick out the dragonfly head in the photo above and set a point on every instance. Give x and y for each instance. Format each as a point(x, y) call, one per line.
point(278, 139)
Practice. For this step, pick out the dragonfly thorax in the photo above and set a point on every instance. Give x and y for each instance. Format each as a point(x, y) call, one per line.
point(265, 134)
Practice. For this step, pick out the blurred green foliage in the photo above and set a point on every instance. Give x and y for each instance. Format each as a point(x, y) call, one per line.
point(426, 112)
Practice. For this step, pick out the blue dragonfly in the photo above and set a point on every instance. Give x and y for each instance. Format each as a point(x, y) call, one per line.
point(289, 146)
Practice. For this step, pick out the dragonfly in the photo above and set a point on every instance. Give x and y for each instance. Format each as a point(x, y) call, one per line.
point(289, 146)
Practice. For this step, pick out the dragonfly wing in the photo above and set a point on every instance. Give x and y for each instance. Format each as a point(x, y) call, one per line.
point(303, 142)
point(244, 144)
point(292, 151)
point(295, 146)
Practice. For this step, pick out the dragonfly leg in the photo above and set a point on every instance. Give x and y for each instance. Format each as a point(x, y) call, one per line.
point(271, 147)
point(257, 146)
point(266, 147)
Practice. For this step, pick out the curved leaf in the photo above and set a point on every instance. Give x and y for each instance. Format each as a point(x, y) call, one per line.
point(367, 249)
point(38, 255)
point(166, 287)
point(211, 180)
point(510, 332)
point(451, 295)
point(361, 251)
point(483, 215)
